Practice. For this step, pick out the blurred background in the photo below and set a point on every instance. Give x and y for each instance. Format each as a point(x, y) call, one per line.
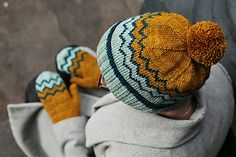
point(32, 32)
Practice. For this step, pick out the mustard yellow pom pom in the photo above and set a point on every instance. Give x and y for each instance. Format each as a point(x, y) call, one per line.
point(206, 44)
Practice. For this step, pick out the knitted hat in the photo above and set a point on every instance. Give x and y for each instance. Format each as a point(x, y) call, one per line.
point(155, 61)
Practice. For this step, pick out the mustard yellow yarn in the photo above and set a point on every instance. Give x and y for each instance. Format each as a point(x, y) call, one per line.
point(167, 48)
point(155, 60)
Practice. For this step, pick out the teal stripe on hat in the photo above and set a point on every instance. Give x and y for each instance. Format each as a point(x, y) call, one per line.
point(146, 102)
point(121, 72)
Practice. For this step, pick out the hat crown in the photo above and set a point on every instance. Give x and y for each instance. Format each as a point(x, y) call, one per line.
point(168, 31)
point(145, 62)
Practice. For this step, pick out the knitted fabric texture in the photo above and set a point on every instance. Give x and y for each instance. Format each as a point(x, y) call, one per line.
point(81, 64)
point(59, 103)
point(146, 63)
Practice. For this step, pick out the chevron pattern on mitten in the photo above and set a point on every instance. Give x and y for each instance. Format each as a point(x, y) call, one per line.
point(59, 103)
point(70, 57)
point(49, 84)
point(81, 64)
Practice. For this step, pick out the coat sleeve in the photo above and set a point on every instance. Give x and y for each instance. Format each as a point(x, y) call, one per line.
point(70, 134)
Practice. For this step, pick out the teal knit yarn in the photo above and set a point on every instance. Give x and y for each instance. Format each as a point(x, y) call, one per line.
point(121, 72)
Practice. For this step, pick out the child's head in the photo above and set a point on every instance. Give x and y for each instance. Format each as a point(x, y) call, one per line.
point(157, 60)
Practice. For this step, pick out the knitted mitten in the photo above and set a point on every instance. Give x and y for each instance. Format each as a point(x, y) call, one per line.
point(59, 103)
point(81, 64)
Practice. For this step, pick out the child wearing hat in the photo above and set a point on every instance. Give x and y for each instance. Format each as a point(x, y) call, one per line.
point(167, 98)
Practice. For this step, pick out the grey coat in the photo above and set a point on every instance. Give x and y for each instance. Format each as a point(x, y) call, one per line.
point(118, 130)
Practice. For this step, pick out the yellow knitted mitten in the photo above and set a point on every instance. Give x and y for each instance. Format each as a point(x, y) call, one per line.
point(59, 103)
point(81, 64)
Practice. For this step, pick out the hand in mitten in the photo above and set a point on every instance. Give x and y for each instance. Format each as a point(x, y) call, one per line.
point(81, 64)
point(59, 103)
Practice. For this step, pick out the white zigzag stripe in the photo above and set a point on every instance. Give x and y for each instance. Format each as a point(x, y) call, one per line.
point(48, 85)
point(47, 76)
point(125, 71)
point(70, 58)
point(61, 58)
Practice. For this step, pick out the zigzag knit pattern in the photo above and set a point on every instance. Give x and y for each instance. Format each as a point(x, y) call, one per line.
point(48, 84)
point(69, 58)
point(142, 60)
point(58, 102)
